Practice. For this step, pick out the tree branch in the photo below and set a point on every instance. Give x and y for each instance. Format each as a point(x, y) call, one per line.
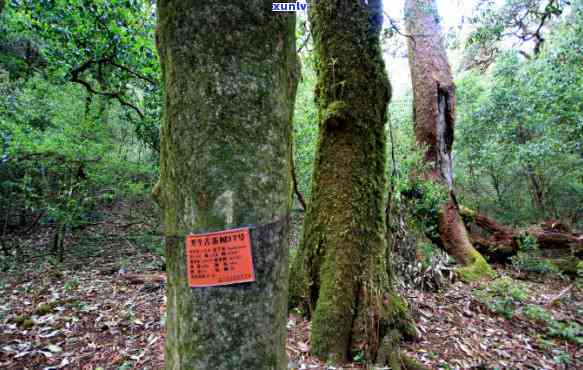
point(75, 77)
point(395, 28)
point(134, 73)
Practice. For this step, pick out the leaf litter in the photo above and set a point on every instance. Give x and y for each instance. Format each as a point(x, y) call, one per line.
point(106, 312)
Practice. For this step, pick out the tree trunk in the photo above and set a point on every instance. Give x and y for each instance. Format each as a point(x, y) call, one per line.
point(499, 241)
point(434, 120)
point(229, 71)
point(340, 271)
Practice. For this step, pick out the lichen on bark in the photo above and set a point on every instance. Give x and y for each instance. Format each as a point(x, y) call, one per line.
point(340, 273)
point(230, 75)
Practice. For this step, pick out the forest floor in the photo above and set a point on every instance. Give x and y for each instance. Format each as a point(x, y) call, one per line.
point(102, 308)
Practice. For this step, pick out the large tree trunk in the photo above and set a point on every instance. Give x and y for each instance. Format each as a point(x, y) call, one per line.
point(229, 71)
point(340, 269)
point(434, 115)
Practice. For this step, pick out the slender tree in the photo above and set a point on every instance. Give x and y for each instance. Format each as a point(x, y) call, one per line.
point(340, 272)
point(434, 120)
point(229, 71)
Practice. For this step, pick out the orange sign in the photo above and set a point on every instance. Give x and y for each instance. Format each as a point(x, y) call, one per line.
point(219, 258)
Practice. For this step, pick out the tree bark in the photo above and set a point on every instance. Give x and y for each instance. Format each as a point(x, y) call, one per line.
point(434, 121)
point(340, 272)
point(229, 71)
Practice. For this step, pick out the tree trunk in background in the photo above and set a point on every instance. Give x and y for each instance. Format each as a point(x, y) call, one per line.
point(103, 101)
point(434, 115)
point(340, 271)
point(229, 71)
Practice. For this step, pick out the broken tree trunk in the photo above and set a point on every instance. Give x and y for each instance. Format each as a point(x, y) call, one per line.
point(500, 242)
point(434, 120)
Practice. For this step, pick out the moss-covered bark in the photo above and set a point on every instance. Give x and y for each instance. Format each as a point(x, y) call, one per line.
point(340, 270)
point(229, 71)
point(434, 121)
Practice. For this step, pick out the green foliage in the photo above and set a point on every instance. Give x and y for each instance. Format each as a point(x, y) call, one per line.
point(305, 128)
point(518, 21)
point(505, 297)
point(427, 252)
point(422, 199)
point(520, 133)
point(536, 313)
point(563, 358)
point(570, 331)
point(501, 296)
point(148, 243)
point(72, 284)
point(529, 259)
point(66, 149)
point(106, 47)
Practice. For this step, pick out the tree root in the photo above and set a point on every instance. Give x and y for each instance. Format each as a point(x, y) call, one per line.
point(390, 354)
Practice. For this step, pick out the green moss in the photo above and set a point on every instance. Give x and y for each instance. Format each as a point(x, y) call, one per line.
point(409, 363)
point(28, 324)
point(343, 242)
point(24, 321)
point(467, 214)
point(43, 309)
point(18, 320)
point(335, 114)
point(478, 269)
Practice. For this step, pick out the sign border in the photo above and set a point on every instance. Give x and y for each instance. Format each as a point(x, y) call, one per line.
point(253, 275)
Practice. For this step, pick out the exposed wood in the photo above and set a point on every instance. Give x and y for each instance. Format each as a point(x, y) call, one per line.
point(500, 241)
point(434, 103)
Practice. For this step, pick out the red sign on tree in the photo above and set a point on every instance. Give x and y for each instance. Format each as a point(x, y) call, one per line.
point(219, 258)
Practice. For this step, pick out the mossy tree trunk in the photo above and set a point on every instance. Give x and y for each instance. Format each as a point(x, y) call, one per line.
point(434, 121)
point(229, 71)
point(340, 270)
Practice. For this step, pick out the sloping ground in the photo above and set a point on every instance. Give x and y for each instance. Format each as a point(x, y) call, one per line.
point(96, 318)
point(462, 332)
point(459, 329)
point(81, 319)
point(94, 311)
